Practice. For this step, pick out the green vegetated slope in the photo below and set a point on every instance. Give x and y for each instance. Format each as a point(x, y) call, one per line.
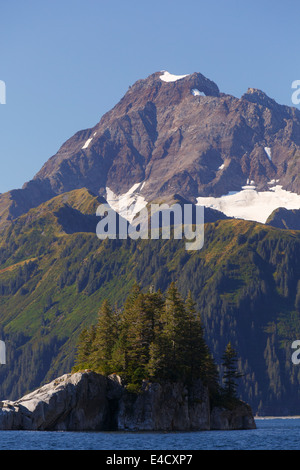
point(55, 273)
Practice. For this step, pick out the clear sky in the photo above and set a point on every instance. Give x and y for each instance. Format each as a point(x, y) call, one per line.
point(66, 62)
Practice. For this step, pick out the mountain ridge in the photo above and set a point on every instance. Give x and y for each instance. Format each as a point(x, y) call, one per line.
point(181, 136)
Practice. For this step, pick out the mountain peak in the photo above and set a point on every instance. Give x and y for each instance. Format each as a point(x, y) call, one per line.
point(260, 97)
point(163, 84)
point(168, 77)
point(173, 134)
point(195, 80)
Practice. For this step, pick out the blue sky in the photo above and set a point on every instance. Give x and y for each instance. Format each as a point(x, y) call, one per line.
point(66, 62)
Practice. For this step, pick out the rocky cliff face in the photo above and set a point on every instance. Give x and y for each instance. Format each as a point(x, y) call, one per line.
point(176, 137)
point(77, 402)
point(165, 408)
point(87, 401)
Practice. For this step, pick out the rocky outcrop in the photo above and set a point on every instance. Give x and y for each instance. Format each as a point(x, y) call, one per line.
point(79, 402)
point(86, 401)
point(240, 417)
point(169, 407)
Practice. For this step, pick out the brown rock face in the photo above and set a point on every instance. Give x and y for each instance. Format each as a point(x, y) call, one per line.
point(176, 141)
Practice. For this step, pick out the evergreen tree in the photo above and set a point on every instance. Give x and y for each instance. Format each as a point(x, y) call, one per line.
point(194, 343)
point(85, 349)
point(179, 350)
point(297, 299)
point(137, 332)
point(230, 372)
point(197, 355)
point(120, 356)
point(154, 336)
point(159, 358)
point(139, 336)
point(105, 339)
point(170, 341)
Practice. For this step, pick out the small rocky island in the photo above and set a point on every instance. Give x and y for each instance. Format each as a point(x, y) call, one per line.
point(167, 379)
point(87, 401)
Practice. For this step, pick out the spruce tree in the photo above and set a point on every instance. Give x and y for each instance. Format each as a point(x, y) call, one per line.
point(155, 336)
point(230, 372)
point(105, 339)
point(173, 320)
point(120, 359)
point(85, 349)
point(197, 353)
point(194, 343)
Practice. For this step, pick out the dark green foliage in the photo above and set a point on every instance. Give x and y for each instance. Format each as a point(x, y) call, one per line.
point(155, 336)
point(22, 275)
point(230, 374)
point(297, 300)
point(105, 338)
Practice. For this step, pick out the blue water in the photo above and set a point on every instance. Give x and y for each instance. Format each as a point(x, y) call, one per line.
point(271, 434)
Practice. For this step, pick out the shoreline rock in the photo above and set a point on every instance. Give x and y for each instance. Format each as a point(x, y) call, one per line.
point(168, 407)
point(86, 401)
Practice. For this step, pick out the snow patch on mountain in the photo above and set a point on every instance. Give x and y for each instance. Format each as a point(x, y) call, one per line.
point(197, 92)
point(249, 204)
point(268, 152)
point(87, 143)
point(127, 205)
point(168, 77)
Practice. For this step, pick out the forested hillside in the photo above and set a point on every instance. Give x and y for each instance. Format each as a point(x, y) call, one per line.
point(54, 277)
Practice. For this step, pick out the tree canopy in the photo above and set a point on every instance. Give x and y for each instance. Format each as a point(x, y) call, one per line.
point(154, 336)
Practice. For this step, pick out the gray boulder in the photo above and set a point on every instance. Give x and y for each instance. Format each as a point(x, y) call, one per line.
point(79, 402)
point(86, 401)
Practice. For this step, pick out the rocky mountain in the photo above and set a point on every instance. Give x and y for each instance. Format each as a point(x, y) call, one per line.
point(178, 135)
point(177, 139)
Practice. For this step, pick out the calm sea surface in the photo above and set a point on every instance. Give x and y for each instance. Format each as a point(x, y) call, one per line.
point(271, 434)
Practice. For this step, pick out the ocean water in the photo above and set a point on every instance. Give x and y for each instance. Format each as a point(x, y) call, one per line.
point(271, 434)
